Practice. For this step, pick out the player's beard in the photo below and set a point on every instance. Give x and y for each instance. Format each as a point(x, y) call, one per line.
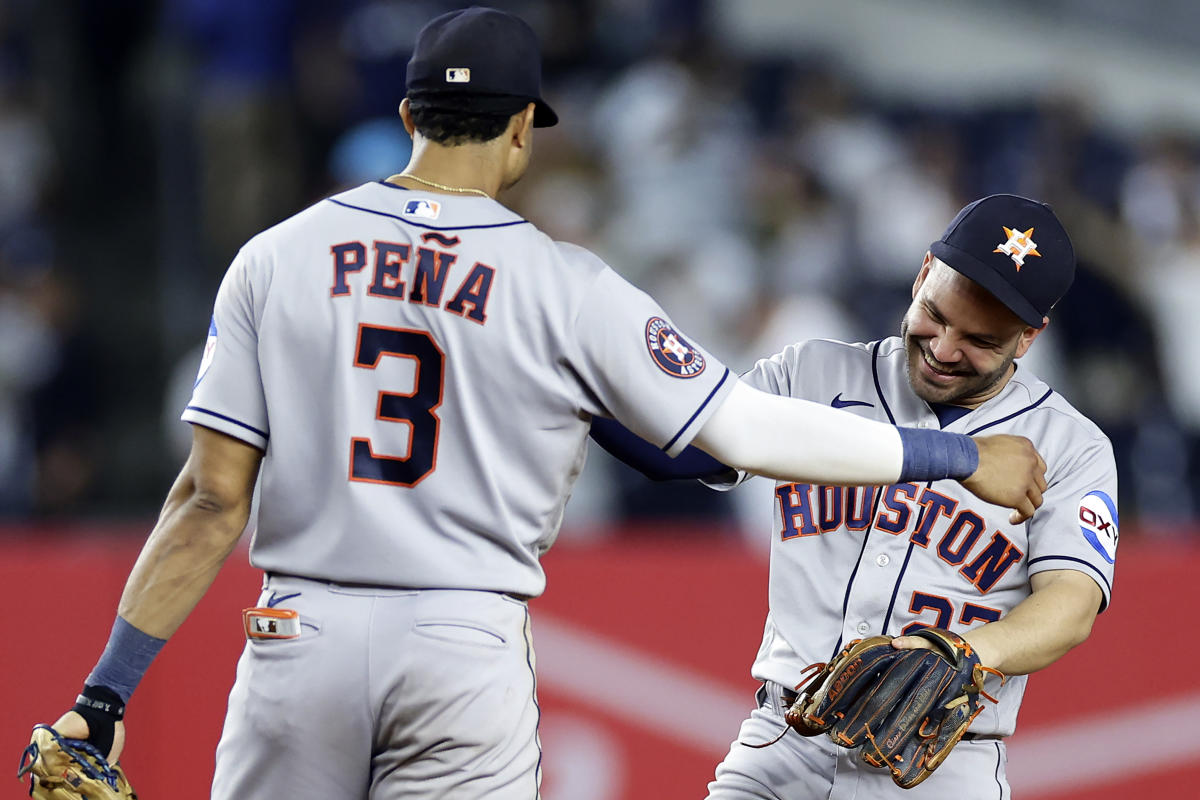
point(968, 387)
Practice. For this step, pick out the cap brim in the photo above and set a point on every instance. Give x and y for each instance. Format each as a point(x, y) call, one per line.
point(543, 115)
point(966, 264)
point(471, 103)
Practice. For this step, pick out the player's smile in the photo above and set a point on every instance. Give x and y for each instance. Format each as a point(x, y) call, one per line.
point(932, 368)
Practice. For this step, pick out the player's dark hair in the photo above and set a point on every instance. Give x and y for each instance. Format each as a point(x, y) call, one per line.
point(452, 128)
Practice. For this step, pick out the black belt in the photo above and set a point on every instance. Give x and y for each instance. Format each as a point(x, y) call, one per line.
point(787, 697)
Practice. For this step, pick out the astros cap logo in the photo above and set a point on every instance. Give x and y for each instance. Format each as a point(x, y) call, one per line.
point(1018, 245)
point(670, 352)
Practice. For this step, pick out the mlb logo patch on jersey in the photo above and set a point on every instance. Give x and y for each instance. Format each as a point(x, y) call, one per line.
point(1098, 521)
point(426, 209)
point(210, 347)
point(671, 352)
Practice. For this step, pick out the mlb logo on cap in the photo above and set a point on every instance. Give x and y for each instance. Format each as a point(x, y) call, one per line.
point(426, 209)
point(458, 75)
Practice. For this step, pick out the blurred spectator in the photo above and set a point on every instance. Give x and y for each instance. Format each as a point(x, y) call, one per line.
point(369, 151)
point(244, 116)
point(27, 163)
point(28, 357)
point(48, 384)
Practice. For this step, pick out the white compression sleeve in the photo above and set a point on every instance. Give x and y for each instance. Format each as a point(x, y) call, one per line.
point(797, 440)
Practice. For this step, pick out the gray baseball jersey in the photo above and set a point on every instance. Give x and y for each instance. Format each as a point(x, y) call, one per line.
point(853, 562)
point(421, 371)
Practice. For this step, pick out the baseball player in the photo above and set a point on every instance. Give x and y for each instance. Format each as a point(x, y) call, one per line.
point(852, 562)
point(414, 369)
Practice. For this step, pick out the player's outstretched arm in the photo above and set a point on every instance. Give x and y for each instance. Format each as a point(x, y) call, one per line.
point(795, 440)
point(204, 515)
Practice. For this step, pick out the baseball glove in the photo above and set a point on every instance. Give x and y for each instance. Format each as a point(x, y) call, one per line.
point(70, 769)
point(906, 708)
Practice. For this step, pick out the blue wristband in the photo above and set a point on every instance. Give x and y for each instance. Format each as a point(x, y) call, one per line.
point(125, 660)
point(934, 455)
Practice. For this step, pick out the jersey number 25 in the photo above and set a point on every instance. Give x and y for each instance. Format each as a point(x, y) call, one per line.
point(417, 408)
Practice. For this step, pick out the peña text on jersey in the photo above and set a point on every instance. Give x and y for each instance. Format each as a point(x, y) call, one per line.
point(399, 274)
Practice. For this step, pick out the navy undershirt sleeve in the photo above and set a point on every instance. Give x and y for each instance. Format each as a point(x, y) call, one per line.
point(649, 460)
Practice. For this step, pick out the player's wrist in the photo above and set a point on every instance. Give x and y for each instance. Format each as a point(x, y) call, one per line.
point(125, 660)
point(101, 708)
point(934, 455)
point(985, 650)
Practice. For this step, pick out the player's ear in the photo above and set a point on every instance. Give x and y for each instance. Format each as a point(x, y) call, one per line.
point(406, 116)
point(1027, 336)
point(924, 272)
point(524, 127)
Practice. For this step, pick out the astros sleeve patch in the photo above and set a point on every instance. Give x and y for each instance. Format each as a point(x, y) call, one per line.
point(671, 352)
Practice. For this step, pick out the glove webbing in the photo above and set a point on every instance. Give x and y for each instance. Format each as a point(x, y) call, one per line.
point(98, 770)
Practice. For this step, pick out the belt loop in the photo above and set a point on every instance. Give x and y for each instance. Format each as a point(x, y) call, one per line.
point(770, 694)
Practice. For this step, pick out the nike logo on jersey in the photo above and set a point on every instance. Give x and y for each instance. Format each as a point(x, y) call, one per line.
point(838, 402)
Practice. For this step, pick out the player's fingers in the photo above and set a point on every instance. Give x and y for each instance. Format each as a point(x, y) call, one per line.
point(1035, 497)
point(911, 643)
point(1021, 513)
point(114, 755)
point(1041, 473)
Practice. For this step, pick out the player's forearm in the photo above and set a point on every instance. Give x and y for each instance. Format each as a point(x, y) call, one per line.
point(1042, 628)
point(196, 532)
point(795, 440)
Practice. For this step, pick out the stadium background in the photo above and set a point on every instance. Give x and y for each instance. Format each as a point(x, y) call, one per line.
point(771, 170)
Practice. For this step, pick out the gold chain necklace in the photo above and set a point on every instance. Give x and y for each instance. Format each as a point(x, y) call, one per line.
point(441, 186)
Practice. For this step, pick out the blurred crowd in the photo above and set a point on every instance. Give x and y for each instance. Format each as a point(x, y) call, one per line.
point(762, 198)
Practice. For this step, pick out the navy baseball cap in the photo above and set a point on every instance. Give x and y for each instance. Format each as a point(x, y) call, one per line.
point(478, 60)
point(1015, 248)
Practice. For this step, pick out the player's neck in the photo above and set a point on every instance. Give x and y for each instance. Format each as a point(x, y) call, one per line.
point(468, 168)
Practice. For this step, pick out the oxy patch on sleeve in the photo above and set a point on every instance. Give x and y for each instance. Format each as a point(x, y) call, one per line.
point(671, 352)
point(210, 347)
point(1098, 521)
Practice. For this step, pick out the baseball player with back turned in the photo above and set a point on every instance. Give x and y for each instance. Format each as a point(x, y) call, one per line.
point(415, 369)
point(853, 562)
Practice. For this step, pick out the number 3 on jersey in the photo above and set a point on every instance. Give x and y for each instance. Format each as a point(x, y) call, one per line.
point(416, 408)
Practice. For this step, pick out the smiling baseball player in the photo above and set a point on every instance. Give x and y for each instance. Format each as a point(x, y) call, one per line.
point(852, 562)
point(415, 368)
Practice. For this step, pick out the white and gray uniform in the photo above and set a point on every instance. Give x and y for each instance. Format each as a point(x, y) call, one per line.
point(847, 563)
point(420, 371)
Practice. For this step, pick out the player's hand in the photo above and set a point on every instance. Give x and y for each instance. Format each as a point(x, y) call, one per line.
point(73, 726)
point(1010, 473)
